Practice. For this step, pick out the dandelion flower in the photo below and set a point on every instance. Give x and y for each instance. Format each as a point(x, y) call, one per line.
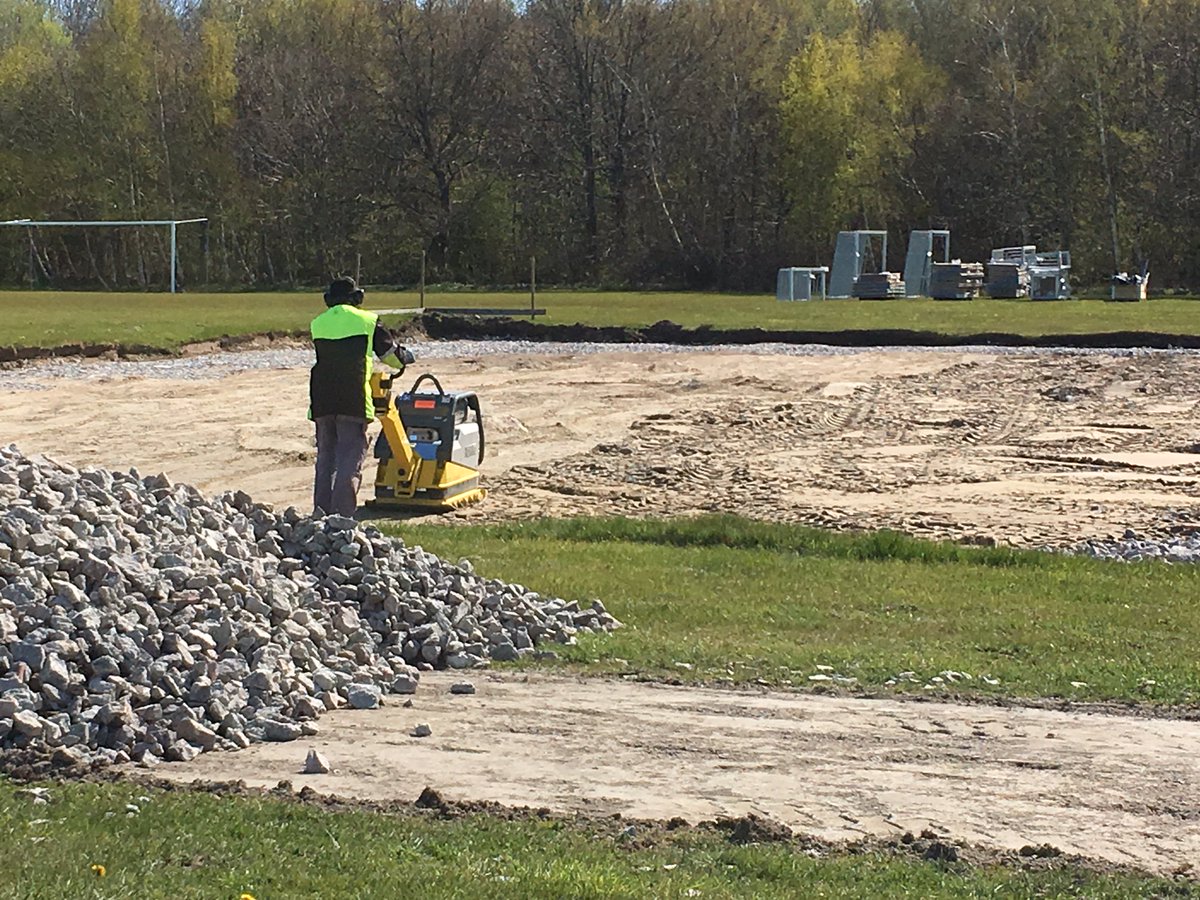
point(98, 870)
point(246, 897)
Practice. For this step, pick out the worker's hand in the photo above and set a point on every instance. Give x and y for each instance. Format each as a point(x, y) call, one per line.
point(399, 358)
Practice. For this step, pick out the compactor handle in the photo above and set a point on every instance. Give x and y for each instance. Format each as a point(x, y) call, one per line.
point(428, 376)
point(381, 391)
point(473, 403)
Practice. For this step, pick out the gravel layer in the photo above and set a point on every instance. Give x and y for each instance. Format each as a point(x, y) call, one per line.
point(1135, 547)
point(37, 375)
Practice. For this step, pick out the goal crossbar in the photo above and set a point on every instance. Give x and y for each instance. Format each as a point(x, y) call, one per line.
point(173, 224)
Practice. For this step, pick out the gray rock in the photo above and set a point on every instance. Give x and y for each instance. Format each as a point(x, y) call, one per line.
point(52, 733)
point(421, 731)
point(196, 733)
point(28, 723)
point(462, 687)
point(326, 680)
point(280, 730)
point(505, 652)
point(105, 667)
point(307, 707)
point(363, 696)
point(346, 620)
point(182, 751)
point(405, 684)
point(19, 698)
point(33, 655)
point(316, 764)
point(55, 672)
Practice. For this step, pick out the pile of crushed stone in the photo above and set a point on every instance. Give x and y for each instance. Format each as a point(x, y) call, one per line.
point(143, 621)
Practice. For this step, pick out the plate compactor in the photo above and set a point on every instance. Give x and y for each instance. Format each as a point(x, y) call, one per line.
point(430, 448)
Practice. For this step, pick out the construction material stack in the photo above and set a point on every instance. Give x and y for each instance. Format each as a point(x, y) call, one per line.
point(801, 282)
point(1131, 286)
point(1023, 272)
point(956, 281)
point(879, 286)
point(923, 247)
point(1008, 272)
point(855, 254)
point(1049, 276)
point(141, 620)
point(1007, 281)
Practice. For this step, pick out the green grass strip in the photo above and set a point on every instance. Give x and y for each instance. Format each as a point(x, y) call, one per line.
point(728, 600)
point(52, 319)
point(749, 534)
point(193, 845)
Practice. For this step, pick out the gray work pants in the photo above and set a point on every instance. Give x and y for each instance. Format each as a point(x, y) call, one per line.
point(341, 450)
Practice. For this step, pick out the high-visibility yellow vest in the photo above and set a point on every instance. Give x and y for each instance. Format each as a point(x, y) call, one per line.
point(343, 338)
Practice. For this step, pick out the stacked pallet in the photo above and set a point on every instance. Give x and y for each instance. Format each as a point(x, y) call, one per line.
point(879, 286)
point(1007, 280)
point(956, 281)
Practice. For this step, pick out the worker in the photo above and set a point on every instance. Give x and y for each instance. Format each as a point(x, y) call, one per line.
point(345, 338)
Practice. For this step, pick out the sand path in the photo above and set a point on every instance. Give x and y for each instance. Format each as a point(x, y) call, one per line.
point(1115, 789)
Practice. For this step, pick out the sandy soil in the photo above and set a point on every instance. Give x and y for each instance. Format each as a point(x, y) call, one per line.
point(1029, 450)
point(1114, 789)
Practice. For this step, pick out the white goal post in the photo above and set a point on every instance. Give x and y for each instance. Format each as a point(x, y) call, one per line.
point(173, 224)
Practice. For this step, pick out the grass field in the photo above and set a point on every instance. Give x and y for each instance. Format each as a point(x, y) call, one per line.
point(45, 319)
point(725, 599)
point(191, 845)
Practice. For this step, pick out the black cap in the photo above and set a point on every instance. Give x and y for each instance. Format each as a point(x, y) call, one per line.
point(343, 290)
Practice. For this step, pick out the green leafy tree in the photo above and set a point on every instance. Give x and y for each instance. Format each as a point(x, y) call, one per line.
point(852, 112)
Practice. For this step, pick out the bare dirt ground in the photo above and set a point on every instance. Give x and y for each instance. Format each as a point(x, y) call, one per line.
point(1026, 449)
point(1022, 449)
point(1113, 789)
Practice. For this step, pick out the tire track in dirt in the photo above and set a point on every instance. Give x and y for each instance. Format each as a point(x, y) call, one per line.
point(953, 454)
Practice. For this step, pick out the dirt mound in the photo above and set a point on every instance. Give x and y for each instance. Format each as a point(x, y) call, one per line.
point(444, 327)
point(754, 829)
point(41, 764)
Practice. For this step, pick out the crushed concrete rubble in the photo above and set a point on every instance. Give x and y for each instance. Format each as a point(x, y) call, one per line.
point(140, 620)
point(1134, 547)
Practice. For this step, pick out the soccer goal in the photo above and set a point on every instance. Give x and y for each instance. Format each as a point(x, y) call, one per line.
point(172, 224)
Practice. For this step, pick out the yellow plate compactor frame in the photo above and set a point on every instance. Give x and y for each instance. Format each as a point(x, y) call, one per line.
point(409, 481)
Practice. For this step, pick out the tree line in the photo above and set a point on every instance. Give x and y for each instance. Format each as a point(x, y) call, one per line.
point(675, 143)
